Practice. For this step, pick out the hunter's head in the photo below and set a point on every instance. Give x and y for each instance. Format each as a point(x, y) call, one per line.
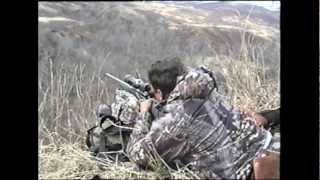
point(163, 76)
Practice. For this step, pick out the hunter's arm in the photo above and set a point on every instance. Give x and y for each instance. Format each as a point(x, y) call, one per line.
point(161, 139)
point(138, 148)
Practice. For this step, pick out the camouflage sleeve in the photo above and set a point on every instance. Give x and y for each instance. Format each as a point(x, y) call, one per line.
point(138, 147)
point(160, 142)
point(196, 83)
point(142, 126)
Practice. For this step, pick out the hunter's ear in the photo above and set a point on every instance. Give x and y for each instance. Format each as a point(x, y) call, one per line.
point(158, 94)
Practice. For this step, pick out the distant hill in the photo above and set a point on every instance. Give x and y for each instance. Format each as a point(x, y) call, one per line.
point(228, 9)
point(137, 33)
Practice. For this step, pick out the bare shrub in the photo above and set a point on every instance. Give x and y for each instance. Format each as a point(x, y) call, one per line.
point(68, 100)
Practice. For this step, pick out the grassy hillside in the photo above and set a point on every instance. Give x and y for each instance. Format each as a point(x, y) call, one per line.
point(67, 107)
point(139, 33)
point(81, 41)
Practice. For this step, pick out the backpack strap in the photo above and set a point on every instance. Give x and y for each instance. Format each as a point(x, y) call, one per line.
point(89, 139)
point(104, 118)
point(102, 147)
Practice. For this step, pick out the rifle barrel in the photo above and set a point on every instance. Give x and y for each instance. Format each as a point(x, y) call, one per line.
point(131, 88)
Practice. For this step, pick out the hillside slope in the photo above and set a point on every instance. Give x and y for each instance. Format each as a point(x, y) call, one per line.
point(139, 33)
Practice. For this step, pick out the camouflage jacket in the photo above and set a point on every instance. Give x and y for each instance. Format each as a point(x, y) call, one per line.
point(200, 130)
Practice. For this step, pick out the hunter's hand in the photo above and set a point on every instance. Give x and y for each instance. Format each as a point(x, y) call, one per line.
point(145, 106)
point(257, 118)
point(261, 121)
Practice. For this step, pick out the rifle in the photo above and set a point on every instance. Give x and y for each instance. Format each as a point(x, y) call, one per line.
point(112, 138)
point(136, 87)
point(139, 89)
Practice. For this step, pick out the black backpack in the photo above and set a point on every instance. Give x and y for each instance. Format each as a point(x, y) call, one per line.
point(107, 140)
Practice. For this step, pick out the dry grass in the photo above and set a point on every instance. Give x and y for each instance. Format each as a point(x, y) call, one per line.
point(66, 111)
point(247, 84)
point(71, 161)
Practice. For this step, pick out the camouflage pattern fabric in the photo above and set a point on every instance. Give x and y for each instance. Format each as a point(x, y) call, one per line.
point(108, 138)
point(107, 141)
point(200, 130)
point(195, 83)
point(125, 107)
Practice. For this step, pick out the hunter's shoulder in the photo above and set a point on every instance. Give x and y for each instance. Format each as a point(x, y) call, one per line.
point(203, 74)
point(174, 116)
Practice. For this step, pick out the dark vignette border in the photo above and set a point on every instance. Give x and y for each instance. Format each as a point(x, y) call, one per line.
point(20, 119)
point(299, 89)
point(34, 107)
